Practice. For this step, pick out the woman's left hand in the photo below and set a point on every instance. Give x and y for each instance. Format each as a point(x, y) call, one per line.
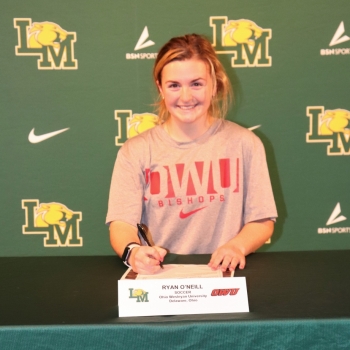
point(227, 256)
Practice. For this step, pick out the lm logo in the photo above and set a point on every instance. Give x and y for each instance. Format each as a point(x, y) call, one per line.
point(244, 39)
point(130, 125)
point(330, 126)
point(59, 224)
point(53, 45)
point(138, 294)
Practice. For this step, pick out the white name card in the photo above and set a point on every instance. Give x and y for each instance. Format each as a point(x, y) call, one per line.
point(182, 296)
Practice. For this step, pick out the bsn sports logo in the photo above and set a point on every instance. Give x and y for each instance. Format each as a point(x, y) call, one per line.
point(139, 294)
point(339, 37)
point(59, 224)
point(330, 126)
point(53, 44)
point(130, 124)
point(335, 217)
point(142, 43)
point(244, 39)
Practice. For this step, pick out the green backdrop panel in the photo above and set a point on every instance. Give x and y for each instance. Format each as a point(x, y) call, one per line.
point(83, 69)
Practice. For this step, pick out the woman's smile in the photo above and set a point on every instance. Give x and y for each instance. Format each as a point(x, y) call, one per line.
point(187, 89)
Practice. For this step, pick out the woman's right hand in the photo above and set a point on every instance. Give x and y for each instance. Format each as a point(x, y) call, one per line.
point(146, 260)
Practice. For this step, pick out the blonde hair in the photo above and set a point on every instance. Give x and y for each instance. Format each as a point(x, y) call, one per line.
point(199, 47)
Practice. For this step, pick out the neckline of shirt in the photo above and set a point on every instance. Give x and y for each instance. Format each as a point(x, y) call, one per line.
point(187, 144)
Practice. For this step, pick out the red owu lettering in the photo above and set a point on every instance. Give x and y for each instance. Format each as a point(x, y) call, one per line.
point(223, 292)
point(200, 175)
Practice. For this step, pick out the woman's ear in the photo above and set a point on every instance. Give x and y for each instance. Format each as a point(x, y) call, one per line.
point(160, 89)
point(214, 88)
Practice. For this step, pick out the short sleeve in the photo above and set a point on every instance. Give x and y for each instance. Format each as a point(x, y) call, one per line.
point(126, 191)
point(258, 199)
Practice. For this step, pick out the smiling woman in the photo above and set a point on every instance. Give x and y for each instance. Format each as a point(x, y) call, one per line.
point(187, 89)
point(200, 183)
point(199, 48)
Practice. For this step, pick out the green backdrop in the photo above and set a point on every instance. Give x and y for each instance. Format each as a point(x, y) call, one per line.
point(85, 66)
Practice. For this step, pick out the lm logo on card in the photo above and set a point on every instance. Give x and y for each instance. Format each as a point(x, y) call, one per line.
point(139, 294)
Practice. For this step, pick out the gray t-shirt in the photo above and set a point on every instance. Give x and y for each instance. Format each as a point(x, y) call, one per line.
point(194, 196)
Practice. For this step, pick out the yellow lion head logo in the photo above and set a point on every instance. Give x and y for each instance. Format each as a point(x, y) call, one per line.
point(242, 31)
point(45, 34)
point(141, 122)
point(138, 292)
point(336, 120)
point(52, 214)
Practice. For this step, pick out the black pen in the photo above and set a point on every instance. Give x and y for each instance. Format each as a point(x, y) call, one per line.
point(146, 235)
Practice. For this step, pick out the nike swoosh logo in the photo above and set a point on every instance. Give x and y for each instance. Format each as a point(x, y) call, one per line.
point(186, 215)
point(254, 127)
point(36, 139)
